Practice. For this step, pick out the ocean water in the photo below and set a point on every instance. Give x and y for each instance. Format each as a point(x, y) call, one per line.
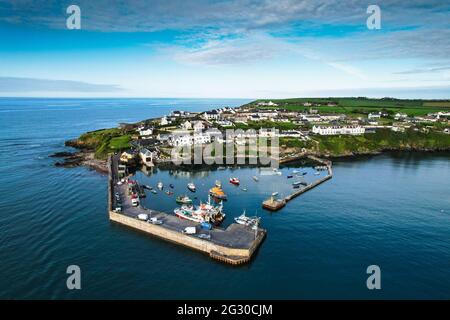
point(391, 210)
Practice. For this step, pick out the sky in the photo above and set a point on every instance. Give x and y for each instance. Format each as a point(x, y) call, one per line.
point(225, 49)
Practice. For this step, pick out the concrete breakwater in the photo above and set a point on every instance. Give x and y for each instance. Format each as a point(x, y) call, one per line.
point(234, 245)
point(273, 204)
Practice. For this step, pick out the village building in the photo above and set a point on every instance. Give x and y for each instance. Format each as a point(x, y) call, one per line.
point(187, 125)
point(336, 130)
point(374, 116)
point(147, 157)
point(211, 115)
point(164, 121)
point(198, 126)
point(145, 132)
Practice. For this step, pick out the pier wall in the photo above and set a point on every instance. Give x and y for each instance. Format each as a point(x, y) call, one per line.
point(183, 239)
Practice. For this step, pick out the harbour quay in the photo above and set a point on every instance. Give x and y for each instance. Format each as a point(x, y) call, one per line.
point(234, 245)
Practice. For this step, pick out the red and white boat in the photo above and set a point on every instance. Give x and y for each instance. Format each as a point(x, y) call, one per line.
point(235, 181)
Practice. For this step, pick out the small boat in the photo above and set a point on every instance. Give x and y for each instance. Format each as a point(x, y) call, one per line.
point(290, 176)
point(218, 184)
point(183, 200)
point(217, 193)
point(296, 171)
point(235, 181)
point(154, 192)
point(171, 186)
point(160, 185)
point(316, 173)
point(191, 187)
point(296, 183)
point(255, 178)
point(274, 194)
point(246, 221)
point(146, 187)
point(244, 189)
point(304, 173)
point(169, 193)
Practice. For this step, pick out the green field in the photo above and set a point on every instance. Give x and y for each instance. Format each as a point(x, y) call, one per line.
point(363, 105)
point(104, 141)
point(383, 139)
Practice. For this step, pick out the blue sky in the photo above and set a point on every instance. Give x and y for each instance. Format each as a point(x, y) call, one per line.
point(225, 49)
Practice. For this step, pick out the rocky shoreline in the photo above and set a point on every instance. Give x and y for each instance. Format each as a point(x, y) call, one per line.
point(80, 158)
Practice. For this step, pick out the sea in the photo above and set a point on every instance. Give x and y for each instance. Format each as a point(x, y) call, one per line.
point(390, 210)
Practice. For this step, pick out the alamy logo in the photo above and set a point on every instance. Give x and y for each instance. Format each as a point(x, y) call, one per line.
point(74, 280)
point(374, 20)
point(73, 22)
point(374, 280)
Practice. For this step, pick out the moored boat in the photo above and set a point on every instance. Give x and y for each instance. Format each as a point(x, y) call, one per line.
point(191, 187)
point(245, 220)
point(235, 181)
point(217, 193)
point(255, 178)
point(205, 212)
point(183, 200)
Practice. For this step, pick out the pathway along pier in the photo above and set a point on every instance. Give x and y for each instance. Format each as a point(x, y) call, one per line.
point(234, 245)
point(273, 204)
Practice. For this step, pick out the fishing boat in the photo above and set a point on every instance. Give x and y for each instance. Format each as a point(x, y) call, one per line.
point(246, 221)
point(183, 200)
point(160, 185)
point(235, 181)
point(217, 193)
point(205, 212)
point(191, 187)
point(255, 178)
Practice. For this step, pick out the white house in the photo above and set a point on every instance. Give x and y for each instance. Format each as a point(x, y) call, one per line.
point(400, 116)
point(224, 123)
point(269, 104)
point(311, 117)
point(187, 125)
point(164, 121)
point(373, 116)
point(199, 126)
point(211, 115)
point(178, 140)
point(145, 132)
point(335, 130)
point(146, 157)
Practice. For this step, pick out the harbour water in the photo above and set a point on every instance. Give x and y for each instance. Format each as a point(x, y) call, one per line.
point(391, 210)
